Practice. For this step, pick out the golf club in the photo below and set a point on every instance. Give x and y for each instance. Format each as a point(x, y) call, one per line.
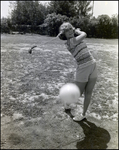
point(30, 50)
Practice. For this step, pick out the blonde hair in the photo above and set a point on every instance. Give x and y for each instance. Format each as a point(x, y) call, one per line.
point(63, 28)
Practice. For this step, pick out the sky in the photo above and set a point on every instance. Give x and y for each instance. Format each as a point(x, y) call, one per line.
point(100, 7)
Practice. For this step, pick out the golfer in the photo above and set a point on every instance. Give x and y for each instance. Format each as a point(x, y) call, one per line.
point(86, 72)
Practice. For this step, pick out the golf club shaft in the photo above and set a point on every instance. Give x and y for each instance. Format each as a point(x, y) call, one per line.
point(44, 43)
point(52, 39)
point(30, 50)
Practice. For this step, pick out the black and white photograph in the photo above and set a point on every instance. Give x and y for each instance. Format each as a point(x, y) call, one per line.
point(59, 74)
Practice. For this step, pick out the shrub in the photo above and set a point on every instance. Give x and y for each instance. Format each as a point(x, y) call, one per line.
point(104, 26)
point(52, 23)
point(114, 26)
point(4, 25)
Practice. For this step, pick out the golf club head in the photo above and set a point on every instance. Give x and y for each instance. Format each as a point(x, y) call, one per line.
point(30, 51)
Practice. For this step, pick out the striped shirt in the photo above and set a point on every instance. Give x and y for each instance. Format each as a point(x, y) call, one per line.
point(81, 53)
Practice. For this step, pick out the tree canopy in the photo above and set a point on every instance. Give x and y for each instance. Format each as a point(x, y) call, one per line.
point(28, 13)
point(63, 7)
point(33, 16)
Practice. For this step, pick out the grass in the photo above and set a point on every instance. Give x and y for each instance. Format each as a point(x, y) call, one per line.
point(46, 70)
point(30, 83)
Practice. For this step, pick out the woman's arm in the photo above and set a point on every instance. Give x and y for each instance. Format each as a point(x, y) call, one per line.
point(80, 37)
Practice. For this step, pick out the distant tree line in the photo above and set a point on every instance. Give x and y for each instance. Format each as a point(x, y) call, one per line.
point(34, 17)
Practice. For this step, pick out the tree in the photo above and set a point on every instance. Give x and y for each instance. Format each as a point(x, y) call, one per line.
point(83, 8)
point(66, 8)
point(92, 27)
point(104, 26)
point(5, 25)
point(28, 13)
point(53, 22)
point(114, 26)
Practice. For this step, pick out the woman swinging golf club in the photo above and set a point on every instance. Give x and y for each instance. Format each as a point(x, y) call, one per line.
point(86, 72)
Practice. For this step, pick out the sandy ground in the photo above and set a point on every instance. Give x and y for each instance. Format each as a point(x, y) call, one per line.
point(33, 117)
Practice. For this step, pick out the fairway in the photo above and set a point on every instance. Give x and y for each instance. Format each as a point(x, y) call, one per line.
point(30, 85)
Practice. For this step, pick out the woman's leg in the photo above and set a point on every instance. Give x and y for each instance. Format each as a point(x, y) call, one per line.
point(88, 93)
point(81, 86)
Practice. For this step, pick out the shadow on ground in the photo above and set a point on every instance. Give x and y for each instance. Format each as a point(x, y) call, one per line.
point(95, 137)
